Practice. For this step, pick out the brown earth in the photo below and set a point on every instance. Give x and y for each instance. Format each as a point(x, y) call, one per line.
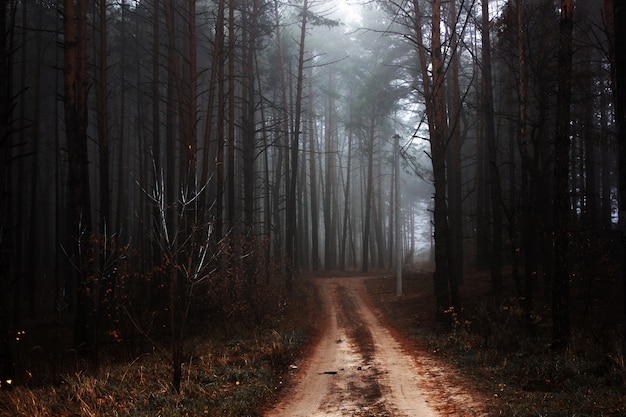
point(361, 367)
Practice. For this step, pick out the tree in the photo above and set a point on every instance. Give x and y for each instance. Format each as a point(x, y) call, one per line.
point(75, 104)
point(619, 11)
point(453, 149)
point(527, 218)
point(102, 114)
point(230, 182)
point(433, 91)
point(6, 364)
point(291, 229)
point(186, 249)
point(490, 138)
point(560, 292)
point(315, 259)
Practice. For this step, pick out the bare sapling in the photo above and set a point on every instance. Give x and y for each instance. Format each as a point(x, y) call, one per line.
point(182, 233)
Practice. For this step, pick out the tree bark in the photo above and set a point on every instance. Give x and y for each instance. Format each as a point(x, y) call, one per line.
point(102, 109)
point(291, 229)
point(315, 256)
point(220, 128)
point(453, 157)
point(619, 11)
point(435, 112)
point(230, 184)
point(249, 123)
point(75, 104)
point(369, 184)
point(346, 203)
point(329, 185)
point(492, 146)
point(560, 289)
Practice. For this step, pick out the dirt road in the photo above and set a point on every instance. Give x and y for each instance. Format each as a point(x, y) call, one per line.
point(357, 367)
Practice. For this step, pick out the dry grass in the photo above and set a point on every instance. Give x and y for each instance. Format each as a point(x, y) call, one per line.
point(234, 375)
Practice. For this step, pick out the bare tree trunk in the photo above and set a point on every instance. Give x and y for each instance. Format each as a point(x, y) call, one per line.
point(369, 184)
point(315, 256)
point(329, 220)
point(276, 219)
point(346, 202)
point(230, 206)
point(221, 116)
point(304, 249)
point(284, 157)
point(189, 125)
point(267, 197)
point(379, 216)
point(171, 192)
point(492, 146)
point(158, 295)
point(6, 357)
point(619, 11)
point(122, 191)
point(606, 202)
point(446, 295)
point(291, 229)
point(249, 123)
point(453, 157)
point(102, 110)
point(560, 288)
point(437, 126)
point(37, 229)
point(528, 218)
point(75, 103)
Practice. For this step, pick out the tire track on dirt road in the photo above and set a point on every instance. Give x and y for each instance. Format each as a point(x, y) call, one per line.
point(357, 368)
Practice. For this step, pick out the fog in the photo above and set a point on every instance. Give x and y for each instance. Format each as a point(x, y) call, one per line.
point(226, 148)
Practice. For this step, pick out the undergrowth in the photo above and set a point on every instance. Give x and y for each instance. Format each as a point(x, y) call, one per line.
point(525, 376)
point(237, 372)
point(227, 379)
point(507, 359)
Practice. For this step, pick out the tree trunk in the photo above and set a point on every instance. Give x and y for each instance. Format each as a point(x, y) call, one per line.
point(249, 123)
point(75, 103)
point(122, 191)
point(379, 216)
point(221, 116)
point(560, 289)
point(230, 182)
point(346, 203)
point(315, 256)
point(172, 116)
point(528, 218)
point(437, 126)
point(619, 9)
point(329, 186)
point(492, 146)
point(158, 296)
point(291, 229)
point(453, 157)
point(102, 109)
point(6, 361)
point(368, 196)
point(188, 100)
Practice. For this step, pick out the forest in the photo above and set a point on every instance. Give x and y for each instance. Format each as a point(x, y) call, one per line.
point(175, 165)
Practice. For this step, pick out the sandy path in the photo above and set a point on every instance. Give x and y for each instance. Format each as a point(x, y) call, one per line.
point(357, 367)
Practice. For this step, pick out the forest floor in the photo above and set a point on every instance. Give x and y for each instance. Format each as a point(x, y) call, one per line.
point(348, 346)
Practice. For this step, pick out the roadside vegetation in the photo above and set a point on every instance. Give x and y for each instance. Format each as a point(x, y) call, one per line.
point(488, 346)
point(231, 367)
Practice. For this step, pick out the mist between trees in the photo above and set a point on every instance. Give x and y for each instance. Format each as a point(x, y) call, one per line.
point(155, 150)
